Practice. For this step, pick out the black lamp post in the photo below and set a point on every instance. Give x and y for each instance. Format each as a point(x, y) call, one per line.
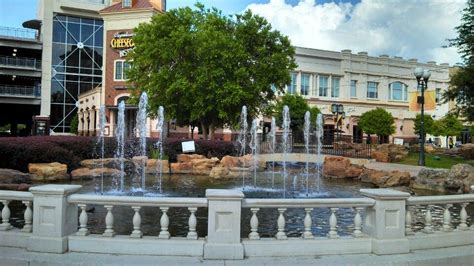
point(339, 110)
point(422, 77)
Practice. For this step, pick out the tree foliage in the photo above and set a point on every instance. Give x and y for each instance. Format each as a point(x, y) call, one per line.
point(448, 126)
point(462, 82)
point(377, 121)
point(203, 66)
point(298, 107)
point(428, 124)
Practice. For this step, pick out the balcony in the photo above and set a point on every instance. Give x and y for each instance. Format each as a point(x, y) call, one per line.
point(18, 33)
point(20, 91)
point(22, 62)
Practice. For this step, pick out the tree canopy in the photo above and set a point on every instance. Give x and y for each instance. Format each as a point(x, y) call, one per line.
point(203, 66)
point(428, 124)
point(298, 107)
point(377, 121)
point(462, 82)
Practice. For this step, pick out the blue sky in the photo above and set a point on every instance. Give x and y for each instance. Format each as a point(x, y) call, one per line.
point(406, 28)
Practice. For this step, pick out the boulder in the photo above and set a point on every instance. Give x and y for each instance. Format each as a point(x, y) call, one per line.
point(151, 166)
point(389, 153)
point(182, 158)
point(467, 183)
point(48, 171)
point(219, 172)
point(181, 168)
point(430, 179)
point(204, 166)
point(456, 180)
point(467, 151)
point(385, 179)
point(129, 166)
point(86, 173)
point(230, 161)
point(340, 167)
point(13, 176)
point(16, 187)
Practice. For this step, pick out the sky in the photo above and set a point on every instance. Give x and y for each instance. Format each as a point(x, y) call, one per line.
point(406, 28)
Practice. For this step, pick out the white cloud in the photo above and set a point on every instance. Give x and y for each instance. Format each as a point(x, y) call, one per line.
point(406, 28)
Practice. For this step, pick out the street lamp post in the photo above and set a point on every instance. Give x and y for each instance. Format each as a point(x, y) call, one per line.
point(339, 110)
point(422, 77)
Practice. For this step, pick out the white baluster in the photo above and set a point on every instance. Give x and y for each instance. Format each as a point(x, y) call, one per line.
point(5, 216)
point(254, 224)
point(357, 222)
point(281, 224)
point(333, 224)
point(109, 222)
point(408, 221)
point(447, 227)
point(137, 220)
point(307, 234)
point(428, 228)
point(28, 217)
point(192, 234)
point(164, 222)
point(463, 216)
point(83, 231)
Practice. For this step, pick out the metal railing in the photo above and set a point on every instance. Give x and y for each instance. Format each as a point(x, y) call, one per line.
point(26, 91)
point(20, 62)
point(18, 33)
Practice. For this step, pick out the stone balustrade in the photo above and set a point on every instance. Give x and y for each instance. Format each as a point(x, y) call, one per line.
point(382, 222)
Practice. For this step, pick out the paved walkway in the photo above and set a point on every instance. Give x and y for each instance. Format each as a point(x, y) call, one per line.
point(413, 169)
point(463, 255)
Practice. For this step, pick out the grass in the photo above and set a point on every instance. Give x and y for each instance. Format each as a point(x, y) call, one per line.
point(443, 162)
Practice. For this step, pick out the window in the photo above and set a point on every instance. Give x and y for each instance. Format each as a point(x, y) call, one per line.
point(372, 90)
point(126, 3)
point(335, 87)
point(304, 84)
point(397, 91)
point(121, 68)
point(323, 86)
point(354, 88)
point(292, 87)
point(438, 95)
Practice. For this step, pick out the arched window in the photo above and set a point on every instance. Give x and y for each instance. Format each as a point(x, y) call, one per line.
point(123, 98)
point(398, 91)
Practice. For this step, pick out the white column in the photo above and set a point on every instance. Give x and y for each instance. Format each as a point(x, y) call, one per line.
point(385, 221)
point(357, 222)
point(223, 230)
point(164, 223)
point(54, 219)
point(428, 228)
point(83, 231)
point(447, 227)
point(28, 217)
point(463, 216)
point(109, 222)
point(137, 220)
point(5, 216)
point(281, 225)
point(92, 126)
point(307, 234)
point(333, 224)
point(254, 224)
point(192, 222)
point(408, 221)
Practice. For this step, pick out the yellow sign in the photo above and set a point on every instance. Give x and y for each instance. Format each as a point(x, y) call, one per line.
point(122, 43)
point(430, 100)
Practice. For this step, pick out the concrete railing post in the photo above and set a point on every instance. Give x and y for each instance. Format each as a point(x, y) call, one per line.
point(385, 221)
point(53, 218)
point(223, 234)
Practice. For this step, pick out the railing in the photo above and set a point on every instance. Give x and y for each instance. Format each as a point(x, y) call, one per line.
point(26, 91)
point(20, 62)
point(380, 223)
point(18, 33)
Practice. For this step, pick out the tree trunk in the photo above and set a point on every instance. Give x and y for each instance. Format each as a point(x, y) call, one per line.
point(211, 131)
point(204, 130)
point(191, 134)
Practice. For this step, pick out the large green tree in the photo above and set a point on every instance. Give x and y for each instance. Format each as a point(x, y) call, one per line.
point(462, 82)
point(203, 66)
point(448, 126)
point(377, 121)
point(428, 124)
point(298, 107)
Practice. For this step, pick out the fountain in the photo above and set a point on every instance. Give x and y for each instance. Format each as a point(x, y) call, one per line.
point(254, 148)
point(139, 180)
point(286, 145)
point(120, 150)
point(243, 139)
point(100, 142)
point(319, 135)
point(307, 125)
point(159, 146)
point(272, 148)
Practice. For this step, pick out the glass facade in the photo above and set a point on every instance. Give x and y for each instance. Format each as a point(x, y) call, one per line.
point(372, 90)
point(121, 68)
point(354, 88)
point(438, 95)
point(304, 84)
point(323, 86)
point(77, 51)
point(292, 87)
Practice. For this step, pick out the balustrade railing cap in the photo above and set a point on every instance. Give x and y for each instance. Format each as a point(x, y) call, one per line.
point(55, 189)
point(224, 193)
point(384, 193)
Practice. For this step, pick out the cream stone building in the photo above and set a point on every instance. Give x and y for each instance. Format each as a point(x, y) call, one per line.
point(361, 83)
